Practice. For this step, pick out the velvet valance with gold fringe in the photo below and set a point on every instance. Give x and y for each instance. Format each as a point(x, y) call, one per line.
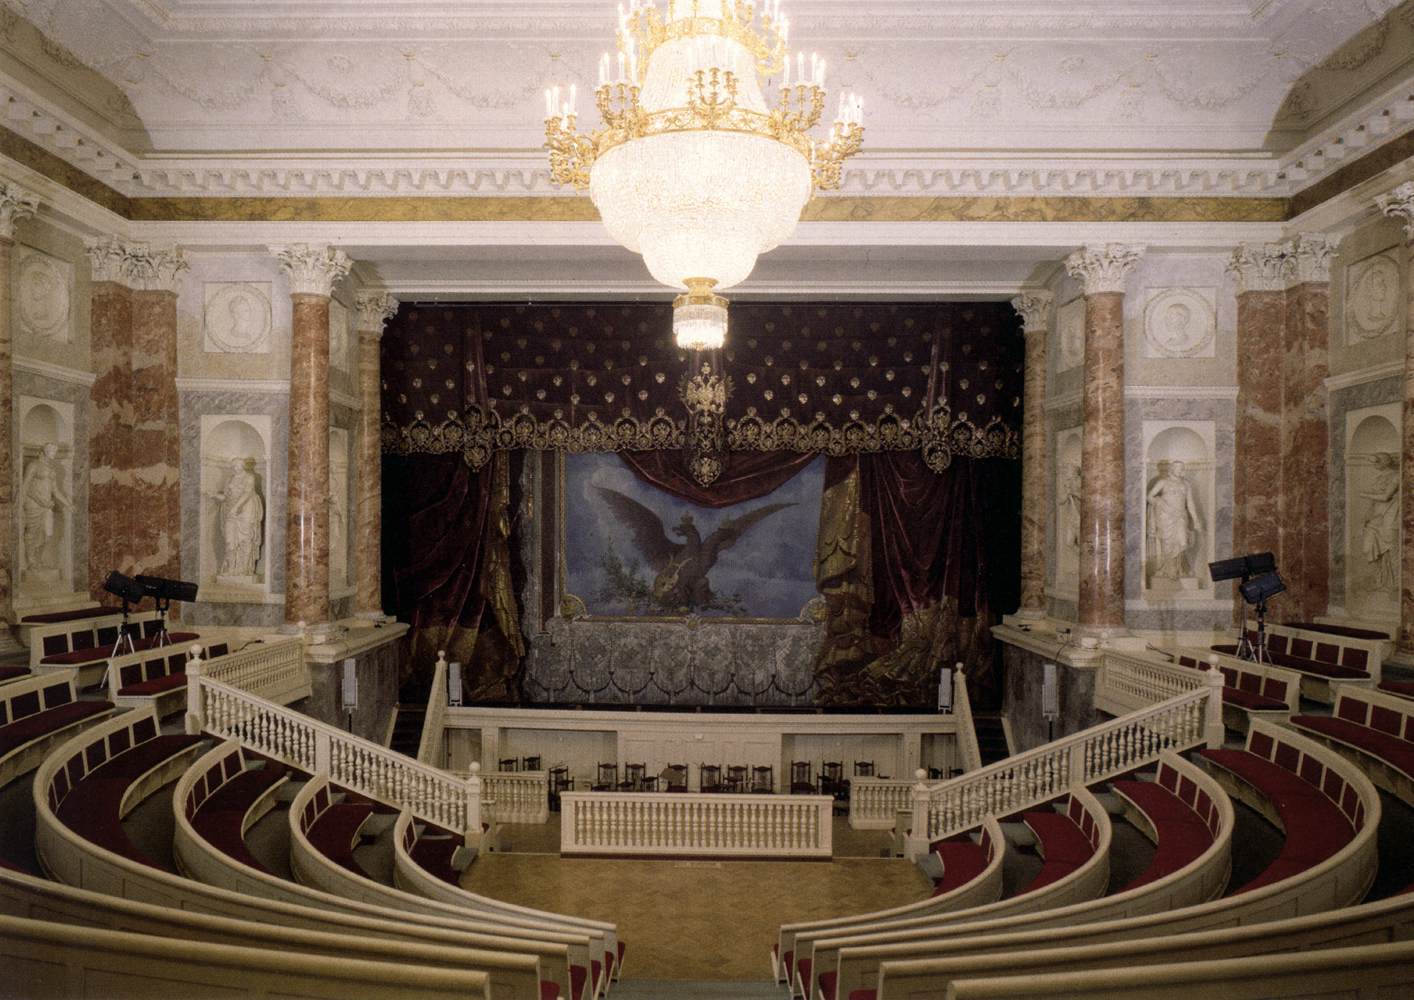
point(942, 378)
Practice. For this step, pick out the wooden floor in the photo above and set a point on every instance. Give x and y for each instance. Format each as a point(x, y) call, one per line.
point(705, 921)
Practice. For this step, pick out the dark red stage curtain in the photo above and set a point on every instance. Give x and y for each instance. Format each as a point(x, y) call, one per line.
point(746, 474)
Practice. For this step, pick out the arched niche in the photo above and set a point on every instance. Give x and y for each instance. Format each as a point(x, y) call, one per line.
point(234, 515)
point(44, 499)
point(1178, 509)
point(1066, 496)
point(1372, 512)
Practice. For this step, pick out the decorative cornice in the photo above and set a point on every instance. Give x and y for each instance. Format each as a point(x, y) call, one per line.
point(59, 373)
point(1035, 307)
point(312, 270)
point(15, 204)
point(1103, 269)
point(1228, 392)
point(1362, 376)
point(1399, 204)
point(136, 265)
point(1307, 258)
point(373, 309)
point(1258, 267)
point(200, 384)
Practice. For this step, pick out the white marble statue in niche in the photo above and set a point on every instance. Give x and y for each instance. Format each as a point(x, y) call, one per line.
point(1175, 527)
point(44, 506)
point(242, 515)
point(1379, 530)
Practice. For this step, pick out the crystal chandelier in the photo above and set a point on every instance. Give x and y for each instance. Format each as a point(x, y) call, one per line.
point(691, 167)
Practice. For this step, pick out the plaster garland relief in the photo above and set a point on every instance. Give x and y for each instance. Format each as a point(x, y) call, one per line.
point(44, 297)
point(1180, 323)
point(237, 317)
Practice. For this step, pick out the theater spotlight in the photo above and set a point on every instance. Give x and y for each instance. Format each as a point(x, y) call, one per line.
point(1242, 567)
point(1260, 589)
point(130, 592)
point(1259, 583)
point(164, 592)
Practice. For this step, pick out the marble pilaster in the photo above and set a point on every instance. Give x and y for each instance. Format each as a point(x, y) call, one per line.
point(1304, 514)
point(156, 533)
point(15, 204)
point(111, 416)
point(1102, 272)
point(1261, 322)
point(1036, 309)
point(1399, 203)
point(312, 273)
point(373, 309)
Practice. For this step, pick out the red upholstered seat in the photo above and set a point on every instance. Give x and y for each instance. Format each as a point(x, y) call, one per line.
point(962, 861)
point(1252, 700)
point(155, 686)
point(1397, 752)
point(51, 720)
point(828, 983)
point(218, 819)
point(578, 974)
point(11, 673)
point(1062, 844)
point(1183, 835)
point(1304, 664)
point(864, 994)
point(1315, 826)
point(92, 654)
point(803, 968)
point(433, 855)
point(1345, 630)
point(332, 834)
point(69, 616)
point(1404, 689)
point(548, 990)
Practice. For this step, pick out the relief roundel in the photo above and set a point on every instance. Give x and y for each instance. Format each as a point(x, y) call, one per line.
point(1372, 298)
point(1179, 323)
point(237, 318)
point(44, 297)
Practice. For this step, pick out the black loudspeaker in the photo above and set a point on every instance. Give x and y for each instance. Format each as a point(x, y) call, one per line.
point(349, 689)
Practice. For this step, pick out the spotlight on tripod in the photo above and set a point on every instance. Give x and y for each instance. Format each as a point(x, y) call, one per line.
point(1259, 584)
point(164, 592)
point(130, 592)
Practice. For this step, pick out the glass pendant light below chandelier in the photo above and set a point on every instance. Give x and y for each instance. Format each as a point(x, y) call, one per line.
point(691, 167)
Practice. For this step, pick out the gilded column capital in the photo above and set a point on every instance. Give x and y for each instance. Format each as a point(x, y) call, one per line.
point(15, 204)
point(1307, 258)
point(1034, 306)
point(1103, 269)
point(312, 270)
point(373, 309)
point(1399, 204)
point(1259, 267)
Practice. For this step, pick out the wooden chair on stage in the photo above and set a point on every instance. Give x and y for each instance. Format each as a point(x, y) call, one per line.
point(709, 777)
point(509, 764)
point(673, 778)
point(633, 777)
point(560, 781)
point(530, 763)
point(800, 781)
point(737, 776)
point(606, 778)
point(864, 769)
point(648, 783)
point(763, 779)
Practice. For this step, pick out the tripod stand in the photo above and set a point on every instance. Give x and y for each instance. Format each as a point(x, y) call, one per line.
point(161, 637)
point(125, 635)
point(1255, 650)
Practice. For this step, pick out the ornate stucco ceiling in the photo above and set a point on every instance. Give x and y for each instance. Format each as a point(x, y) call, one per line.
point(964, 96)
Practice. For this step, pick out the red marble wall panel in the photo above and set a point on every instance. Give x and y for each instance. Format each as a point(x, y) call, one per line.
point(111, 418)
point(1304, 520)
point(1102, 540)
point(154, 542)
point(1257, 467)
point(307, 511)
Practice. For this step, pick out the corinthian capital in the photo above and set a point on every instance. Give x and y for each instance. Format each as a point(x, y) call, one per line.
point(1308, 258)
point(1259, 267)
point(373, 309)
point(15, 204)
point(1399, 204)
point(1103, 269)
point(136, 265)
point(312, 270)
point(1034, 305)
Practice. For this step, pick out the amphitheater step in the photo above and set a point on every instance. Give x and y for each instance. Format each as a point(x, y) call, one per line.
point(407, 729)
point(1255, 844)
point(150, 827)
point(17, 830)
point(269, 841)
point(650, 989)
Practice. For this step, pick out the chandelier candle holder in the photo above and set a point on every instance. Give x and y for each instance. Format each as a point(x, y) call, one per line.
point(691, 167)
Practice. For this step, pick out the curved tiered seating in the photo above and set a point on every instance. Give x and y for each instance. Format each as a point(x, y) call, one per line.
point(1251, 689)
point(233, 791)
point(1066, 840)
point(1180, 818)
point(1316, 675)
point(1376, 726)
point(1312, 804)
point(38, 713)
point(100, 781)
point(818, 952)
point(12, 673)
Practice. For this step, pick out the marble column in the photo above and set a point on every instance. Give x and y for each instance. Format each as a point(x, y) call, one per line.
point(1102, 272)
point(15, 204)
point(111, 412)
point(1036, 309)
point(372, 309)
point(1261, 322)
point(1304, 514)
point(1399, 203)
point(312, 273)
point(156, 533)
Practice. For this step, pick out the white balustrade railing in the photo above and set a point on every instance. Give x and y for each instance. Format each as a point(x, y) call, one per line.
point(1189, 719)
point(1127, 682)
point(708, 825)
point(349, 761)
point(874, 803)
point(515, 797)
point(969, 751)
point(273, 669)
point(429, 746)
